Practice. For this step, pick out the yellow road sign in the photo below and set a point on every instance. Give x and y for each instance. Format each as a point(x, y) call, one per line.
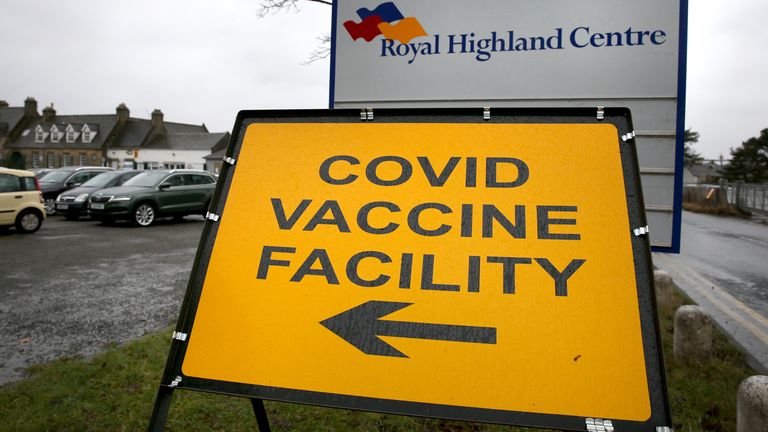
point(486, 266)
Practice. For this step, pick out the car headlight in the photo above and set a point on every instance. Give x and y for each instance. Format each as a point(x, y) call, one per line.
point(121, 198)
point(58, 198)
point(81, 197)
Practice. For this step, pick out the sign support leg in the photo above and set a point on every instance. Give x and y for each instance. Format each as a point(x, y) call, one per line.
point(261, 414)
point(160, 411)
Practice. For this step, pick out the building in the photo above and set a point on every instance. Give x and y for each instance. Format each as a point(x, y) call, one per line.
point(117, 140)
point(156, 144)
point(12, 123)
point(708, 173)
point(214, 160)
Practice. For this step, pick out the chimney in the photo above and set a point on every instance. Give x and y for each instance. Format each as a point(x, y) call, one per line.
point(30, 107)
point(123, 113)
point(157, 119)
point(49, 114)
point(3, 104)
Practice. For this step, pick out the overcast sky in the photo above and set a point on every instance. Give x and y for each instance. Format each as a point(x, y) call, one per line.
point(203, 61)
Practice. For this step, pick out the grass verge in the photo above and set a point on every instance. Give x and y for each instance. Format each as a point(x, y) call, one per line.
point(717, 211)
point(115, 390)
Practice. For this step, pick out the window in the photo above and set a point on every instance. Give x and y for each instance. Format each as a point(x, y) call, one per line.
point(83, 159)
point(71, 135)
point(81, 177)
point(55, 134)
point(174, 181)
point(28, 183)
point(51, 160)
point(39, 134)
point(87, 134)
point(9, 183)
point(67, 160)
point(35, 160)
point(199, 179)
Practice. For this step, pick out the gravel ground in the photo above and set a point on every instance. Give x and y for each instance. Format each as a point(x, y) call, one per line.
point(74, 288)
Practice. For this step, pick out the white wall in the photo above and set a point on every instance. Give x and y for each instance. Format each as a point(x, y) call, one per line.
point(157, 159)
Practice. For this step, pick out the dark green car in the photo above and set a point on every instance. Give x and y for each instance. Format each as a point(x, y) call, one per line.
point(152, 194)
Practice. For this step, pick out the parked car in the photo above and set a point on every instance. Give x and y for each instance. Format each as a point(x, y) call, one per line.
point(21, 202)
point(152, 194)
point(74, 202)
point(40, 172)
point(63, 179)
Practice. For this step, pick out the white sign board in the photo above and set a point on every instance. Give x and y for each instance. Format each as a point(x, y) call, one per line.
point(516, 53)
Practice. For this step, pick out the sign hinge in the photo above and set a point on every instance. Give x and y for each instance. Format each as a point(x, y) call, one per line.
point(175, 382)
point(641, 231)
point(230, 160)
point(599, 425)
point(601, 113)
point(486, 113)
point(211, 216)
point(366, 114)
point(179, 336)
point(629, 136)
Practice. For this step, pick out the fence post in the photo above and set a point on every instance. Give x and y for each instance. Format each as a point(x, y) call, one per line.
point(739, 201)
point(752, 405)
point(692, 335)
point(722, 194)
point(664, 288)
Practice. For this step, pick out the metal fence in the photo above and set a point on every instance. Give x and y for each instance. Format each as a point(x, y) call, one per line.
point(747, 197)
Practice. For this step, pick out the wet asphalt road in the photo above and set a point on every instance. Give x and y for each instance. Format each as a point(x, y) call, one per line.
point(74, 288)
point(723, 267)
point(731, 252)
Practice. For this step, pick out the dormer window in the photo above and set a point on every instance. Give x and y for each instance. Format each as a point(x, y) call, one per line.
point(88, 135)
point(71, 134)
point(55, 134)
point(40, 134)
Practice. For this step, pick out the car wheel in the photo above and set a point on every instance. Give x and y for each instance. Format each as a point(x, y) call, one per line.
point(28, 222)
point(144, 214)
point(50, 206)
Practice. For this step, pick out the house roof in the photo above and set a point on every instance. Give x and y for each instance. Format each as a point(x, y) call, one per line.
point(11, 117)
point(184, 128)
point(186, 141)
point(131, 134)
point(101, 124)
point(705, 170)
point(216, 155)
point(136, 134)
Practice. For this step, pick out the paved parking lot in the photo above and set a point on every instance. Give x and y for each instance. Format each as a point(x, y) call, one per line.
point(75, 287)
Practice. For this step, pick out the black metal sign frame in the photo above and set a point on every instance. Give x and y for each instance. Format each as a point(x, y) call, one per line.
point(173, 378)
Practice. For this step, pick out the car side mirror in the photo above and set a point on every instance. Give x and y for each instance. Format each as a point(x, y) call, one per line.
point(164, 186)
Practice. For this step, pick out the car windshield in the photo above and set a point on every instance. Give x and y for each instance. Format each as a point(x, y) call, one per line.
point(102, 180)
point(146, 179)
point(55, 177)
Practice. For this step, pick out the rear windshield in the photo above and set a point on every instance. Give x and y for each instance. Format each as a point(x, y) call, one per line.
point(55, 176)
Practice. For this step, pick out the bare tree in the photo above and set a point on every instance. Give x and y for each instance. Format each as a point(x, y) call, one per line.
point(274, 6)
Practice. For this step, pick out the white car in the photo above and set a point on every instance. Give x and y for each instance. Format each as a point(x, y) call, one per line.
point(21, 202)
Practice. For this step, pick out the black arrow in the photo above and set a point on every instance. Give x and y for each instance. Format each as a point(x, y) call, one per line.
point(361, 325)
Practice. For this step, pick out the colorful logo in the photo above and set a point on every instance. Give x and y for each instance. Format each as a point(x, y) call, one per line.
point(384, 20)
